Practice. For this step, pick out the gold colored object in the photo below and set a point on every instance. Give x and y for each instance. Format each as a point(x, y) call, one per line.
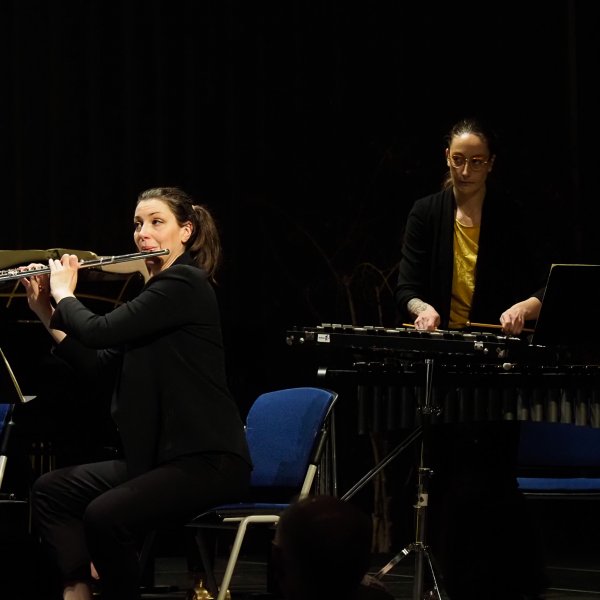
point(10, 274)
point(199, 592)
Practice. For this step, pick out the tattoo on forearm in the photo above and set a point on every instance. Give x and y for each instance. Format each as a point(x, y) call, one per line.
point(416, 306)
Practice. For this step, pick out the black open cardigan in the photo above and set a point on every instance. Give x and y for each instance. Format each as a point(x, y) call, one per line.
point(509, 266)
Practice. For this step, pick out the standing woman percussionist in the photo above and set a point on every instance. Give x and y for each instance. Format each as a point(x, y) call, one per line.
point(468, 255)
point(182, 435)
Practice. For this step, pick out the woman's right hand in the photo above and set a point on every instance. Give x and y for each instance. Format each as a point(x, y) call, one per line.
point(428, 319)
point(63, 276)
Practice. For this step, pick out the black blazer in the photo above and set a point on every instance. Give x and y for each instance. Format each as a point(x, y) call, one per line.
point(165, 354)
point(509, 267)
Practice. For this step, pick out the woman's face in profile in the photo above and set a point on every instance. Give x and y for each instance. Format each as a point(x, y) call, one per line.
point(156, 228)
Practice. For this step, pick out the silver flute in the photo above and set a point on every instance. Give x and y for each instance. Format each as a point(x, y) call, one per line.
point(18, 273)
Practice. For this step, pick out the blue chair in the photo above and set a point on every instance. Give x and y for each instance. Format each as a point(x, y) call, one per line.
point(559, 460)
point(290, 434)
point(5, 425)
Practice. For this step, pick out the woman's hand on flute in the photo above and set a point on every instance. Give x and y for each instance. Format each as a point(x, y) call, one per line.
point(63, 276)
point(37, 288)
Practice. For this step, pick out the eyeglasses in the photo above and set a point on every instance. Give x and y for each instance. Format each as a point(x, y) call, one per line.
point(458, 161)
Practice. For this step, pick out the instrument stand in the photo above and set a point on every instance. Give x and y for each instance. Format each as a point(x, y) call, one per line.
point(415, 435)
point(423, 556)
point(419, 546)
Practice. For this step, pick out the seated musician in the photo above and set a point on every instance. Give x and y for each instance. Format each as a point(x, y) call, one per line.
point(182, 436)
point(467, 258)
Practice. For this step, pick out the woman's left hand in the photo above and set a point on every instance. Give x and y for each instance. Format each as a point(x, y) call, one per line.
point(513, 318)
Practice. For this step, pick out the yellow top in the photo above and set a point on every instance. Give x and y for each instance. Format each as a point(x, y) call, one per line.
point(466, 245)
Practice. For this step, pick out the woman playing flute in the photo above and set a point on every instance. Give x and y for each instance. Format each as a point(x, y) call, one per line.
point(183, 441)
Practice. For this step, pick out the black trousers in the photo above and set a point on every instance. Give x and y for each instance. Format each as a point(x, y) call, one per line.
point(96, 513)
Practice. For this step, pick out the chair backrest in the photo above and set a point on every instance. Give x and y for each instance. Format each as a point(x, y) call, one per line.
point(283, 428)
point(559, 445)
point(559, 459)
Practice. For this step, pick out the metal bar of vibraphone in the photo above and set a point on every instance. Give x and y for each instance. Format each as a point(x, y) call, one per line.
point(552, 401)
point(566, 406)
point(595, 408)
point(581, 406)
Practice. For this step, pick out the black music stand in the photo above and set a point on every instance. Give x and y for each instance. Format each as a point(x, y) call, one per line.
point(423, 556)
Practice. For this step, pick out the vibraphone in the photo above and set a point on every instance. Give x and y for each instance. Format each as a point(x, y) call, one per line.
point(478, 376)
point(409, 379)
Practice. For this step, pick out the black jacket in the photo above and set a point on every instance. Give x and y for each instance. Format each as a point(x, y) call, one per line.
point(164, 351)
point(509, 265)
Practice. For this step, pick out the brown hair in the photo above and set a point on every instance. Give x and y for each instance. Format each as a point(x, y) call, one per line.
point(204, 244)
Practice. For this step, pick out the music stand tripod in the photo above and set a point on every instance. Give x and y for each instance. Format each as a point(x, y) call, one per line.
point(419, 546)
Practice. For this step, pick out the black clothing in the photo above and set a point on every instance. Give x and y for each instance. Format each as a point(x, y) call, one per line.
point(509, 265)
point(182, 436)
point(165, 353)
point(96, 512)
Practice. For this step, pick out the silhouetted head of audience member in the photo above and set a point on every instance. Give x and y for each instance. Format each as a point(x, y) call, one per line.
point(322, 549)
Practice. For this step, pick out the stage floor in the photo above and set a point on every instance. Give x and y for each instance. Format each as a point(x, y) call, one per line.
point(576, 581)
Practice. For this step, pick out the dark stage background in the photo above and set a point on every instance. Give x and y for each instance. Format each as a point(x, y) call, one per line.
point(309, 128)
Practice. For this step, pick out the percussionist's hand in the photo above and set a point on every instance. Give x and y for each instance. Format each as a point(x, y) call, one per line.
point(513, 319)
point(428, 319)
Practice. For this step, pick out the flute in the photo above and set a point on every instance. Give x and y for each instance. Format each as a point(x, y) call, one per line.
point(18, 273)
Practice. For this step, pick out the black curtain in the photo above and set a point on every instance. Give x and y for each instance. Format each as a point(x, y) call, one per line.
point(309, 128)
